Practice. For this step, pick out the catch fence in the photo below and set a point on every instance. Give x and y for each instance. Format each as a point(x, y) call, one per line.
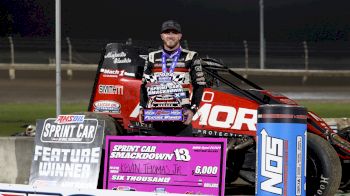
point(244, 54)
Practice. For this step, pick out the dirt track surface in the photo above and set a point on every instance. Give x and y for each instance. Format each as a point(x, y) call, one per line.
point(37, 87)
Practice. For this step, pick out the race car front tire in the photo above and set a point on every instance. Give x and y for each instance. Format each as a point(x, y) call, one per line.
point(323, 167)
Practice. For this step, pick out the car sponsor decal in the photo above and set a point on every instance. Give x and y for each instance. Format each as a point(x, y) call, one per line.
point(114, 73)
point(107, 106)
point(67, 119)
point(118, 57)
point(111, 89)
point(234, 119)
point(272, 163)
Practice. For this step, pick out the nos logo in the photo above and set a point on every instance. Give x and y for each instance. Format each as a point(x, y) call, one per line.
point(271, 163)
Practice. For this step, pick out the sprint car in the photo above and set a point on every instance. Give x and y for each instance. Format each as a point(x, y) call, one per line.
point(228, 109)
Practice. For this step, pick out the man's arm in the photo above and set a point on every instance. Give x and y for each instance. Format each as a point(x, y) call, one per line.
point(143, 91)
point(198, 82)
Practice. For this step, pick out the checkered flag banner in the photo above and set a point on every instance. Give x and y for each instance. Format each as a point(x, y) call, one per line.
point(150, 78)
point(180, 78)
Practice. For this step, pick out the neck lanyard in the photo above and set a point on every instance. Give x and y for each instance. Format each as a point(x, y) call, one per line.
point(175, 56)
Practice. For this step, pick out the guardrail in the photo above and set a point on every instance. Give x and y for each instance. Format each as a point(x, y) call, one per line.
point(69, 68)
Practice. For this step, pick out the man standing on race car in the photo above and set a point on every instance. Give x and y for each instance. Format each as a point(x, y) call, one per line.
point(174, 59)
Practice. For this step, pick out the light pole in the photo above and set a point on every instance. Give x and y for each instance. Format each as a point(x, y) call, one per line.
point(58, 57)
point(262, 37)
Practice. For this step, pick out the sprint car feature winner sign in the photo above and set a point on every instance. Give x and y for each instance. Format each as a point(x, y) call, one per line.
point(183, 165)
point(67, 152)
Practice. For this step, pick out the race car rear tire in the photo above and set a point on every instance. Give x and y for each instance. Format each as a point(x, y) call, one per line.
point(323, 167)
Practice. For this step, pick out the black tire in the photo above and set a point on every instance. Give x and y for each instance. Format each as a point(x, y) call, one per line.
point(345, 182)
point(234, 162)
point(323, 167)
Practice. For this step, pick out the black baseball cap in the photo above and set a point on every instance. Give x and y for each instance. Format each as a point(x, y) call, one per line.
point(170, 25)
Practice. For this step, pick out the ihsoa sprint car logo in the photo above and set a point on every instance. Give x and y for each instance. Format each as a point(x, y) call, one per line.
point(68, 119)
point(272, 150)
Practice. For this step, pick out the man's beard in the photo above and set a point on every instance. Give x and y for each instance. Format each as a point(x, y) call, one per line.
point(172, 44)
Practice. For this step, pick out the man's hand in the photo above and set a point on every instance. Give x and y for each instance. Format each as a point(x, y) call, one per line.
point(189, 115)
point(140, 115)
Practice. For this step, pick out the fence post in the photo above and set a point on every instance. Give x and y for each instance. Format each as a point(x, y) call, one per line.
point(306, 60)
point(69, 70)
point(12, 71)
point(246, 57)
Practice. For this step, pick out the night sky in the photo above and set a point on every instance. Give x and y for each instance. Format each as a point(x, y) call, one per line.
point(201, 20)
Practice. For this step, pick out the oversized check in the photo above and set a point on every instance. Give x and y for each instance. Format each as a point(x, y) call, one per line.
point(186, 165)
